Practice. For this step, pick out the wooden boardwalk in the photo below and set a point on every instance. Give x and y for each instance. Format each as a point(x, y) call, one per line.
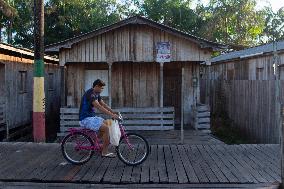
point(183, 164)
point(173, 137)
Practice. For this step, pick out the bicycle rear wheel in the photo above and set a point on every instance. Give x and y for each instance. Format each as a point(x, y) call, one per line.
point(76, 148)
point(133, 152)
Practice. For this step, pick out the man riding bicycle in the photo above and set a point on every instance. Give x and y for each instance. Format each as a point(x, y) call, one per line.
point(90, 102)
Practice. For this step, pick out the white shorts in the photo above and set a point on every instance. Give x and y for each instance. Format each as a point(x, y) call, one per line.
point(93, 123)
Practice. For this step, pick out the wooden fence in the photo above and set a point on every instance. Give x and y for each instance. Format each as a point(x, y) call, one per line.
point(2, 114)
point(250, 104)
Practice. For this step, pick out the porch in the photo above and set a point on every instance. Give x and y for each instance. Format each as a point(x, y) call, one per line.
point(135, 85)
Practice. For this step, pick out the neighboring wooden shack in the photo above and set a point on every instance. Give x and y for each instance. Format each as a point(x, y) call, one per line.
point(242, 84)
point(124, 56)
point(16, 86)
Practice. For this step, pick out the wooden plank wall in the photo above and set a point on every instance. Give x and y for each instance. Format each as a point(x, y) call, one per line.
point(257, 68)
point(2, 80)
point(249, 103)
point(248, 95)
point(131, 43)
point(2, 113)
point(137, 84)
point(133, 84)
point(191, 93)
point(20, 104)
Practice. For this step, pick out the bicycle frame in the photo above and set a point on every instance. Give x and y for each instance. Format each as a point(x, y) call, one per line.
point(93, 135)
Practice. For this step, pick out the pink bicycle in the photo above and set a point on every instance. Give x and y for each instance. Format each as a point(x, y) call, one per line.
point(80, 144)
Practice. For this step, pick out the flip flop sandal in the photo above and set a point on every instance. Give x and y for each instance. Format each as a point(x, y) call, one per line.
point(109, 155)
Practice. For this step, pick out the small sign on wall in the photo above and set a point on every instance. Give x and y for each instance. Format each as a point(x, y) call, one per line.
point(163, 52)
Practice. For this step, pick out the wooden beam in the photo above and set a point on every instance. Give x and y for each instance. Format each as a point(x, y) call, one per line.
point(62, 59)
point(162, 89)
point(109, 83)
point(62, 86)
point(161, 84)
point(182, 105)
point(6, 106)
point(282, 148)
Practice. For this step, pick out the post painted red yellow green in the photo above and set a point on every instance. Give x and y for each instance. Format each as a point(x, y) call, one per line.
point(38, 106)
point(38, 90)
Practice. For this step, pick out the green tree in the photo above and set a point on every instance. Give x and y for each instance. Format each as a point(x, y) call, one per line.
point(7, 16)
point(274, 25)
point(23, 27)
point(235, 22)
point(65, 19)
point(174, 13)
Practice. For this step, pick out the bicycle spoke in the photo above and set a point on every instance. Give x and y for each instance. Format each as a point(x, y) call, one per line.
point(136, 149)
point(76, 148)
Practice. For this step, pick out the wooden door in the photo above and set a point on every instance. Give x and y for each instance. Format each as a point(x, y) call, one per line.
point(172, 88)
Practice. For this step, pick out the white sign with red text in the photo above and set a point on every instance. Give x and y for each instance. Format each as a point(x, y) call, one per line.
point(163, 52)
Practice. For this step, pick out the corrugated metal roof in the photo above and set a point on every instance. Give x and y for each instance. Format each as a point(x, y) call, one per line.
point(24, 51)
point(253, 51)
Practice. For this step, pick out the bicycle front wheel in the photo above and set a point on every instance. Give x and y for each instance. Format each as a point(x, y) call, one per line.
point(76, 148)
point(133, 149)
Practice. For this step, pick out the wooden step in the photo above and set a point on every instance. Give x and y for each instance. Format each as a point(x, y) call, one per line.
point(203, 126)
point(203, 120)
point(202, 108)
point(207, 131)
point(203, 114)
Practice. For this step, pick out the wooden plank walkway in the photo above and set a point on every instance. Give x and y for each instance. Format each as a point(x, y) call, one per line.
point(35, 185)
point(174, 164)
point(173, 137)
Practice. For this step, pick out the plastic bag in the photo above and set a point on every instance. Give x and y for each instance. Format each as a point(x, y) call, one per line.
point(114, 133)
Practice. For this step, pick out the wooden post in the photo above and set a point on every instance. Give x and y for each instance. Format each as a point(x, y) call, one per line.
point(38, 89)
point(282, 150)
point(277, 91)
point(62, 87)
point(182, 109)
point(279, 113)
point(161, 84)
point(109, 83)
point(6, 104)
point(162, 90)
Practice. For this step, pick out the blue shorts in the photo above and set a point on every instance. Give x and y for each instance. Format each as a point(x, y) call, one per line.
point(93, 123)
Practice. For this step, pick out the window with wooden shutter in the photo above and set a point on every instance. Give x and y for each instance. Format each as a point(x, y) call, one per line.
point(50, 81)
point(22, 81)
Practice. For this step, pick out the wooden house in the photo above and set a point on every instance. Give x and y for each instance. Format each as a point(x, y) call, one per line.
point(243, 85)
point(124, 56)
point(16, 86)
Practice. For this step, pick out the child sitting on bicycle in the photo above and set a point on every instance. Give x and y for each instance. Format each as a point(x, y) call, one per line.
point(91, 101)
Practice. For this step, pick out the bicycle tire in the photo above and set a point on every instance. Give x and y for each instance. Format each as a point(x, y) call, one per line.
point(68, 156)
point(136, 162)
